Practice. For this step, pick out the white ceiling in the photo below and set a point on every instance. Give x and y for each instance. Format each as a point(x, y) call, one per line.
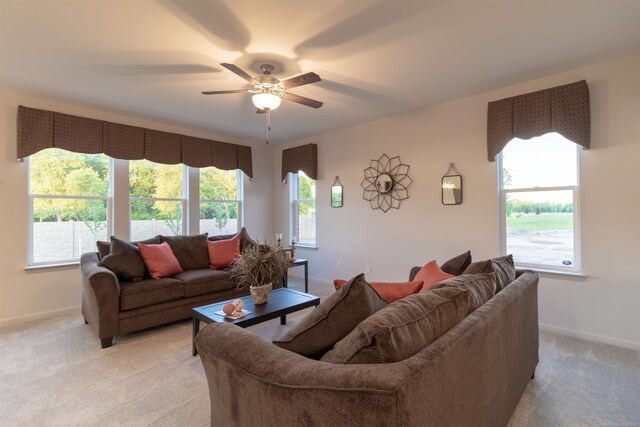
point(376, 57)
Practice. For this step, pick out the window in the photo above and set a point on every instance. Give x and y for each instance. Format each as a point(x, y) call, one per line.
point(539, 199)
point(220, 201)
point(157, 204)
point(303, 192)
point(70, 204)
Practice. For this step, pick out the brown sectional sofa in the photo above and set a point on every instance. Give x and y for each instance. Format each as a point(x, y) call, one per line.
point(473, 375)
point(113, 306)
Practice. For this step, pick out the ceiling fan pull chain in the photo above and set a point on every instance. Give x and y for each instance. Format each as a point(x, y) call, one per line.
point(268, 125)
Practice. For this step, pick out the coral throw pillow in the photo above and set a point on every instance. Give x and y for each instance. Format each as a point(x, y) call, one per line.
point(431, 274)
point(222, 253)
point(389, 291)
point(160, 260)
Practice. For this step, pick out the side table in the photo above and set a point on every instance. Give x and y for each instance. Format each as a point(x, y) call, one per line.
point(297, 262)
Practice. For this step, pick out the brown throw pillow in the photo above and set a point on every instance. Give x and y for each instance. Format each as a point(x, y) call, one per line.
point(481, 287)
point(191, 251)
point(479, 267)
point(103, 248)
point(505, 271)
point(124, 260)
point(402, 329)
point(333, 319)
point(457, 264)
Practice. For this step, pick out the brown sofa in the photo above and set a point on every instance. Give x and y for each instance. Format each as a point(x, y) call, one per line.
point(113, 306)
point(474, 374)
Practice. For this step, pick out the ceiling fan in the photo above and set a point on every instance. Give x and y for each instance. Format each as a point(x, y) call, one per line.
point(269, 91)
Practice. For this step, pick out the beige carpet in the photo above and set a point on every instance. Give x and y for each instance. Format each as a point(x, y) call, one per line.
point(54, 373)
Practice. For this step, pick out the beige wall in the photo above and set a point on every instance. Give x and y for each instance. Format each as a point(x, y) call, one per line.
point(603, 306)
point(25, 295)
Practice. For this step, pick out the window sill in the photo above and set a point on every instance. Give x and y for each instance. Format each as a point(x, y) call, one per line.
point(52, 267)
point(576, 274)
point(306, 247)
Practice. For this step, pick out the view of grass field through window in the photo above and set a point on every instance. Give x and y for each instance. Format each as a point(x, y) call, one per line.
point(306, 215)
point(540, 180)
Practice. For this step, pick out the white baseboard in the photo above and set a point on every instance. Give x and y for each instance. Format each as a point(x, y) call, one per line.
point(13, 321)
point(591, 337)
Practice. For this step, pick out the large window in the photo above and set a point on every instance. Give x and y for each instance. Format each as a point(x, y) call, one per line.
point(219, 201)
point(70, 204)
point(157, 204)
point(539, 199)
point(303, 204)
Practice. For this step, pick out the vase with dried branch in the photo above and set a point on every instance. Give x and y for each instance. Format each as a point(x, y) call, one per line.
point(258, 267)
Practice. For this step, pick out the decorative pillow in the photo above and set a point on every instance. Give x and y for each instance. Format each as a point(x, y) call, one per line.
point(191, 251)
point(333, 319)
point(103, 248)
point(431, 274)
point(390, 292)
point(245, 239)
point(505, 271)
point(160, 260)
point(124, 260)
point(222, 253)
point(403, 328)
point(481, 287)
point(479, 267)
point(457, 264)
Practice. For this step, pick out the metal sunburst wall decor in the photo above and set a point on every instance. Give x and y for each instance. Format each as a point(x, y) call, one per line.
point(385, 183)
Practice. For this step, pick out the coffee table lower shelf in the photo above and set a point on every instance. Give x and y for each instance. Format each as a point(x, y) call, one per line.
point(282, 301)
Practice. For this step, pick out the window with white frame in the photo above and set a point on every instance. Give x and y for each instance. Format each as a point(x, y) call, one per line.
point(220, 201)
point(303, 207)
point(540, 212)
point(156, 199)
point(69, 205)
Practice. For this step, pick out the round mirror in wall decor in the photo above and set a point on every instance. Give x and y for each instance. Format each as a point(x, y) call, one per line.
point(386, 183)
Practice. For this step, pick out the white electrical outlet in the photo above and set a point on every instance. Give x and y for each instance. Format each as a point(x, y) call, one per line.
point(367, 269)
point(339, 265)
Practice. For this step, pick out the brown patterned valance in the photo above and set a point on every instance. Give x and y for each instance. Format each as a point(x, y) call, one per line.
point(563, 109)
point(303, 158)
point(41, 129)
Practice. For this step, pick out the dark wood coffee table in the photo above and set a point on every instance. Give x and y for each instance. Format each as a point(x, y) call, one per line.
point(282, 301)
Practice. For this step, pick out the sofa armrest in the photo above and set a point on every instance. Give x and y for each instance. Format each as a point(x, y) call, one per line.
point(243, 369)
point(100, 296)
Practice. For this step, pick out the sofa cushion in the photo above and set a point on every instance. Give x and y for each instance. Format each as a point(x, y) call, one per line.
point(160, 260)
point(204, 281)
point(124, 260)
point(149, 292)
point(333, 319)
point(457, 264)
point(245, 239)
point(222, 253)
point(191, 251)
point(505, 271)
point(431, 274)
point(390, 292)
point(403, 328)
point(481, 287)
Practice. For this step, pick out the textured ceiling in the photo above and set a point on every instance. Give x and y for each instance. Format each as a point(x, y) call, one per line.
point(376, 58)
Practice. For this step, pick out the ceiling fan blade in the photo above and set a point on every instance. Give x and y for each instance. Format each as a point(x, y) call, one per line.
point(220, 92)
point(302, 100)
point(303, 79)
point(238, 71)
point(259, 111)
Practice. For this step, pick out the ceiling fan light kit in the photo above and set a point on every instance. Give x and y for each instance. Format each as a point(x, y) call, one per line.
point(269, 91)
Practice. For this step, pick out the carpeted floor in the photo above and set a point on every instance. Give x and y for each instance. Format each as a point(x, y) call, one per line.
point(54, 373)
